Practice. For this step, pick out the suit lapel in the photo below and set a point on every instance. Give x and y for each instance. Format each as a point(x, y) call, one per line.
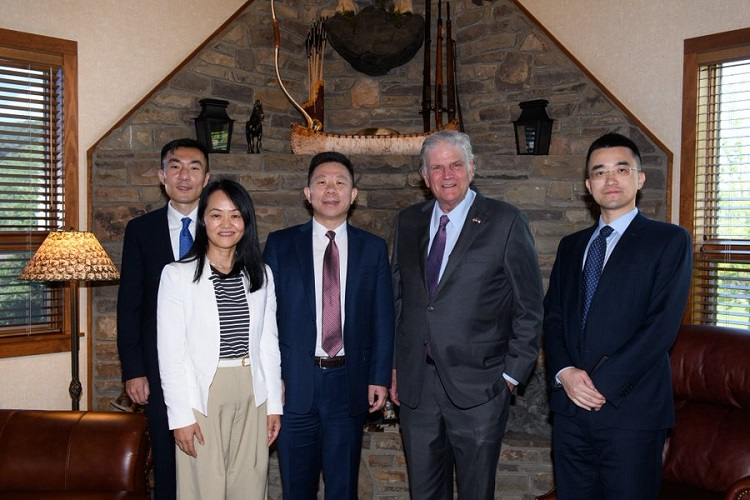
point(205, 294)
point(165, 241)
point(256, 302)
point(354, 248)
point(469, 232)
point(625, 248)
point(576, 270)
point(303, 246)
point(423, 230)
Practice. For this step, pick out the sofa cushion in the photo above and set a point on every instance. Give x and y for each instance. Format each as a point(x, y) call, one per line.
point(708, 449)
point(710, 364)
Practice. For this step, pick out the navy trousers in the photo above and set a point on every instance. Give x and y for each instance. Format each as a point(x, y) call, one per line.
point(596, 462)
point(327, 438)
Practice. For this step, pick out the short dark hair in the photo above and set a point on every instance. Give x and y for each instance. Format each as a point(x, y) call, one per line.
point(328, 157)
point(185, 142)
point(247, 257)
point(613, 140)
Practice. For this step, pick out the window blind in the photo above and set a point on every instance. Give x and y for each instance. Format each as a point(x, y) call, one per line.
point(721, 220)
point(31, 187)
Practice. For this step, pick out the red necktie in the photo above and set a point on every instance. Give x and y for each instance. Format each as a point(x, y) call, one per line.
point(332, 342)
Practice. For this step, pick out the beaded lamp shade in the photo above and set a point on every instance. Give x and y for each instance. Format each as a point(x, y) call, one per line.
point(70, 255)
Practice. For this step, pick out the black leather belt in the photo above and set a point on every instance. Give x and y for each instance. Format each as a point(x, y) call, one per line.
point(334, 362)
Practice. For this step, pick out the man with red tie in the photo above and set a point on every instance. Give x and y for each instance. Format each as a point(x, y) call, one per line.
point(335, 319)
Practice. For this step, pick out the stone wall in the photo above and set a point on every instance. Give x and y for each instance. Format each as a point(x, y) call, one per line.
point(503, 58)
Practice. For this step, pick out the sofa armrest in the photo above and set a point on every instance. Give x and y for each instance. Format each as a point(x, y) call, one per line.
point(739, 490)
point(73, 452)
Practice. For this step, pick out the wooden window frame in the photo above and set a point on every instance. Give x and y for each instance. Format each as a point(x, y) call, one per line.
point(25, 43)
point(699, 51)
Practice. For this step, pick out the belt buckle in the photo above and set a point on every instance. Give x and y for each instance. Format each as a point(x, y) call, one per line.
point(325, 363)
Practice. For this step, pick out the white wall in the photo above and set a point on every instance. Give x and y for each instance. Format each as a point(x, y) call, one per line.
point(125, 48)
point(635, 48)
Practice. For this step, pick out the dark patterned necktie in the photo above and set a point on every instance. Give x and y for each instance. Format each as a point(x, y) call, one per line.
point(435, 257)
point(331, 342)
point(592, 270)
point(186, 239)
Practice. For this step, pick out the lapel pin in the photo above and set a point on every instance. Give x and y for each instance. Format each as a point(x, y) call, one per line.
point(476, 221)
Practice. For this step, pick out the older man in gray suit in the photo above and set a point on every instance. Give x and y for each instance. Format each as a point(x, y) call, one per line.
point(469, 294)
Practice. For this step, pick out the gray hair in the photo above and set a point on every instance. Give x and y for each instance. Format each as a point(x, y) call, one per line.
point(450, 137)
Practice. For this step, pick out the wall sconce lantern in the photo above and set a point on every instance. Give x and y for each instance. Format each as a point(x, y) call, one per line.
point(213, 127)
point(533, 128)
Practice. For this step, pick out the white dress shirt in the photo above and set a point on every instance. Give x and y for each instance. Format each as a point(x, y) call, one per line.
point(320, 243)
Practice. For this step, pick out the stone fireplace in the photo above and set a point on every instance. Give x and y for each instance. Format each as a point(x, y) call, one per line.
point(503, 58)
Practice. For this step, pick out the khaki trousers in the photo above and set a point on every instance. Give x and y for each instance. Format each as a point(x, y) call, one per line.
point(233, 462)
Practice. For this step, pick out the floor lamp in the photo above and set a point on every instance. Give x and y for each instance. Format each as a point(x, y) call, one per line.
point(72, 257)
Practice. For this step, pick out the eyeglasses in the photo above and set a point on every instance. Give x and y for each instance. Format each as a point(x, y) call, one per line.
point(618, 173)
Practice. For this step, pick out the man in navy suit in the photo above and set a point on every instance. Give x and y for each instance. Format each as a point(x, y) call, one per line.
point(329, 390)
point(151, 242)
point(608, 357)
point(468, 327)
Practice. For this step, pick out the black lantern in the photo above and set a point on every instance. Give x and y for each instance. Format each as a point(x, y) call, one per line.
point(533, 128)
point(213, 127)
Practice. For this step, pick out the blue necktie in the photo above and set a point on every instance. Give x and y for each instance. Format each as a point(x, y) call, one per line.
point(186, 239)
point(435, 257)
point(592, 270)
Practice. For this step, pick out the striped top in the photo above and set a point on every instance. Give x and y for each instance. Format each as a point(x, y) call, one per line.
point(234, 314)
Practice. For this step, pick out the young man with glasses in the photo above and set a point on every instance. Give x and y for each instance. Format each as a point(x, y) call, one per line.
point(612, 311)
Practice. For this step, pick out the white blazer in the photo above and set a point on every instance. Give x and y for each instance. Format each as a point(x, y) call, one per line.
point(188, 342)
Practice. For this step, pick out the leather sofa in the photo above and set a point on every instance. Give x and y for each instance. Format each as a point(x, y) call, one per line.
point(47, 455)
point(707, 454)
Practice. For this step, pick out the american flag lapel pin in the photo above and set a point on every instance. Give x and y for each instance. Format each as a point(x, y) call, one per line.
point(475, 220)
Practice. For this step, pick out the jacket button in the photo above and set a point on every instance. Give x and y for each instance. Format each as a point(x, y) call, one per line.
point(430, 308)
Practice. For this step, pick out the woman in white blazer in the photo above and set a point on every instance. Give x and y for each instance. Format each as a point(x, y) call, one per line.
point(218, 352)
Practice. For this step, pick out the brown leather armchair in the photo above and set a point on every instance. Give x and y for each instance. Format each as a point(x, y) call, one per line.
point(47, 455)
point(707, 454)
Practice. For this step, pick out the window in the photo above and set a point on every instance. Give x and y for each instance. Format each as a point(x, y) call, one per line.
point(38, 184)
point(715, 178)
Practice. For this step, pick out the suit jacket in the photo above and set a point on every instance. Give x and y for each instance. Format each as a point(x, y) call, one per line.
point(368, 325)
point(188, 340)
point(633, 321)
point(485, 317)
point(147, 248)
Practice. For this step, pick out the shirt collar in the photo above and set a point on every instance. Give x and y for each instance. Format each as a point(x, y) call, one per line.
point(458, 215)
point(175, 217)
point(320, 230)
point(621, 223)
